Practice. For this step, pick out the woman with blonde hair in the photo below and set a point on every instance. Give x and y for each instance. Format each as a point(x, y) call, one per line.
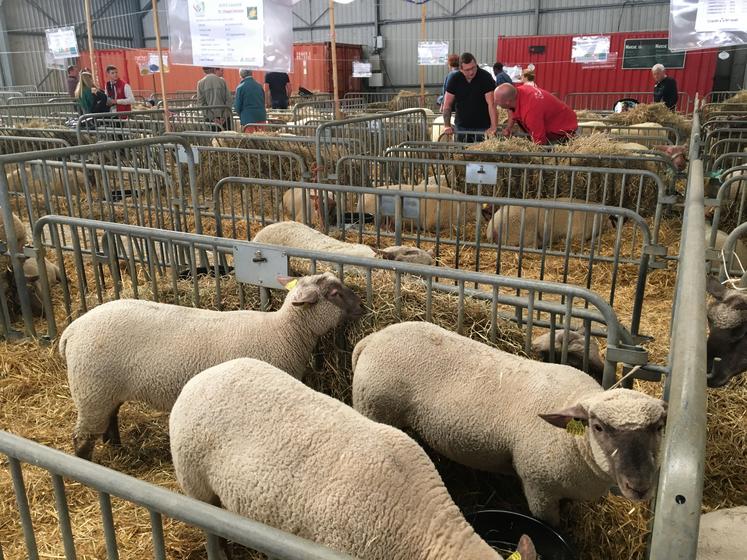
point(90, 98)
point(527, 77)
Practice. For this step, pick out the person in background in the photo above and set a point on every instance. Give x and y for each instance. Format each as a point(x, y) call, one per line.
point(527, 77)
point(118, 91)
point(250, 100)
point(90, 98)
point(72, 80)
point(500, 76)
point(279, 86)
point(212, 91)
point(539, 113)
point(665, 88)
point(470, 93)
point(453, 63)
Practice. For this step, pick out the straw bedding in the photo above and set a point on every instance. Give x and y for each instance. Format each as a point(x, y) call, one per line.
point(653, 112)
point(35, 403)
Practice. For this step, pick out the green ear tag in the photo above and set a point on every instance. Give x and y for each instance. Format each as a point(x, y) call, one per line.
point(515, 556)
point(575, 428)
point(292, 284)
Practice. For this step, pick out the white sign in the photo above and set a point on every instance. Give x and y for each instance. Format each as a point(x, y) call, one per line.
point(721, 15)
point(361, 69)
point(62, 43)
point(433, 53)
point(227, 32)
point(514, 72)
point(590, 49)
point(52, 62)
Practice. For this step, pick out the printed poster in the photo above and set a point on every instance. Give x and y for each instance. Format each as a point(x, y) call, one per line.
point(227, 32)
point(721, 15)
point(433, 53)
point(361, 69)
point(62, 42)
point(590, 49)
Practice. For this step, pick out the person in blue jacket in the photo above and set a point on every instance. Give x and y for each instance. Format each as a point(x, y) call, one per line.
point(250, 100)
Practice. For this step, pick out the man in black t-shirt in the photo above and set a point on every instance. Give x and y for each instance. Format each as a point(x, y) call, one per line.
point(665, 89)
point(280, 89)
point(470, 93)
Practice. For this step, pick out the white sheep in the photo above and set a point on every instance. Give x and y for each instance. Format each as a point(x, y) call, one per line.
point(723, 534)
point(300, 236)
point(575, 357)
point(293, 205)
point(52, 178)
point(251, 438)
point(506, 224)
point(740, 249)
point(132, 350)
point(19, 229)
point(495, 411)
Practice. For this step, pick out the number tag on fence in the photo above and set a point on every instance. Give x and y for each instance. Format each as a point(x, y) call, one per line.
point(260, 267)
point(181, 154)
point(482, 173)
point(410, 207)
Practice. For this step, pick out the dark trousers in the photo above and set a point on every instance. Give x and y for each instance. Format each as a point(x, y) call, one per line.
point(280, 103)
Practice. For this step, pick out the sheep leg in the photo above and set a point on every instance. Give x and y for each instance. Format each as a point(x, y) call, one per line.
point(542, 506)
point(111, 435)
point(83, 445)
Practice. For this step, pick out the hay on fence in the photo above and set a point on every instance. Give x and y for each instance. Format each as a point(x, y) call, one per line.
point(653, 112)
point(586, 115)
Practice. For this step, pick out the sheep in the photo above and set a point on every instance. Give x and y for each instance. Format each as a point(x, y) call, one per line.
point(723, 534)
point(294, 234)
point(576, 344)
point(293, 206)
point(317, 468)
point(506, 225)
point(434, 215)
point(169, 344)
point(727, 333)
point(52, 178)
point(491, 410)
point(19, 229)
point(631, 147)
point(437, 128)
point(740, 249)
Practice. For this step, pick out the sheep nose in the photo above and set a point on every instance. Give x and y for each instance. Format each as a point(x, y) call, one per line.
point(636, 493)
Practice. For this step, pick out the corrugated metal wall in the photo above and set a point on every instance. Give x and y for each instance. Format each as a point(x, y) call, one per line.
point(25, 22)
point(472, 25)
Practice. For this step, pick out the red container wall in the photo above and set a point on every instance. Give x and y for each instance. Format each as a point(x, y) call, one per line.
point(555, 72)
point(312, 69)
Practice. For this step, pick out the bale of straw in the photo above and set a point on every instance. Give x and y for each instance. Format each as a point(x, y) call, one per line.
point(653, 112)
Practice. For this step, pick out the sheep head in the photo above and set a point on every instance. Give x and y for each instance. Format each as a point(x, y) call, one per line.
point(727, 336)
point(624, 430)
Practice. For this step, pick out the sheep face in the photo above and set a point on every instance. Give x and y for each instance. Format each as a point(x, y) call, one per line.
point(541, 345)
point(324, 290)
point(406, 254)
point(624, 431)
point(727, 336)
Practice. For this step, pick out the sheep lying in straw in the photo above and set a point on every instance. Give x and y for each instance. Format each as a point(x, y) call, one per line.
point(300, 236)
point(53, 178)
point(575, 358)
point(317, 468)
point(723, 534)
point(493, 411)
point(727, 323)
point(167, 345)
point(544, 226)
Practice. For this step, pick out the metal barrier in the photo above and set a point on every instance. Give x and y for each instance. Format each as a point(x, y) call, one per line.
point(729, 248)
point(41, 97)
point(158, 501)
point(640, 190)
point(59, 113)
point(325, 109)
point(65, 134)
point(136, 181)
point(605, 100)
point(375, 133)
point(16, 144)
point(717, 97)
point(526, 250)
point(680, 489)
point(394, 100)
point(646, 136)
point(126, 125)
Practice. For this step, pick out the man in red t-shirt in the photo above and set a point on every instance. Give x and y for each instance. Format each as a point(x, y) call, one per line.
point(538, 112)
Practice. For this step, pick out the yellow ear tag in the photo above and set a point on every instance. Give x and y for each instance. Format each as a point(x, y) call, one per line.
point(575, 428)
point(515, 556)
point(292, 284)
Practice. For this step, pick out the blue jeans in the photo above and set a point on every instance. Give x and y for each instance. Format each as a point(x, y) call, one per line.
point(469, 135)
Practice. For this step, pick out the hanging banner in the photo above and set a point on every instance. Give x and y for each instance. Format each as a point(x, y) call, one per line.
point(231, 33)
point(361, 69)
point(62, 43)
point(705, 24)
point(590, 49)
point(432, 53)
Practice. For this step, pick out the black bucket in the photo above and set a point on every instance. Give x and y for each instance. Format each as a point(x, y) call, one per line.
point(202, 271)
point(502, 530)
point(355, 217)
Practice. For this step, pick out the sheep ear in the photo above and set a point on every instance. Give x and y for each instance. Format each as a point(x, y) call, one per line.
point(288, 282)
point(386, 255)
point(305, 295)
point(526, 549)
point(563, 417)
point(431, 253)
point(715, 288)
